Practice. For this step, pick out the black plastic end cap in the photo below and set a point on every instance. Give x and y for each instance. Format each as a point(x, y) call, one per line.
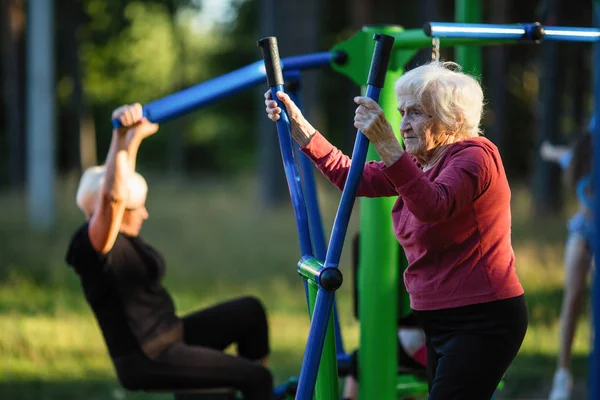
point(331, 279)
point(340, 57)
point(427, 29)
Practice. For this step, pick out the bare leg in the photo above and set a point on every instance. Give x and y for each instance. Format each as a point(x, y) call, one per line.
point(578, 259)
point(350, 388)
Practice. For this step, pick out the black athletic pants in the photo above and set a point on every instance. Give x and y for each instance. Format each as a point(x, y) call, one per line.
point(470, 348)
point(199, 362)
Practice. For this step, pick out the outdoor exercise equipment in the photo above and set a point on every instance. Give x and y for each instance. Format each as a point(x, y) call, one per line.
point(324, 278)
point(377, 284)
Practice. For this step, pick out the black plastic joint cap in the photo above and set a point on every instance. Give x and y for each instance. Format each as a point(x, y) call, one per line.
point(381, 59)
point(427, 29)
point(270, 54)
point(331, 279)
point(536, 32)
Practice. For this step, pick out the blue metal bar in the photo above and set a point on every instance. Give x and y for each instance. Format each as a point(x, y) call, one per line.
point(306, 61)
point(312, 205)
point(529, 31)
point(200, 95)
point(292, 176)
point(340, 224)
point(323, 305)
point(571, 34)
point(594, 377)
point(308, 190)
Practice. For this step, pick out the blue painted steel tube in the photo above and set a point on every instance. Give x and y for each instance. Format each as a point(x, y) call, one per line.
point(571, 34)
point(200, 95)
point(324, 301)
point(309, 187)
point(275, 81)
point(312, 205)
point(316, 336)
point(529, 31)
point(309, 190)
point(293, 179)
point(594, 376)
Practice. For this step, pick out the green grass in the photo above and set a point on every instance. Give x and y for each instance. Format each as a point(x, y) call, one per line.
point(219, 243)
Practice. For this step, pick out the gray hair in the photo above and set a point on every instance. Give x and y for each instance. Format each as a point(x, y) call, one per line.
point(89, 192)
point(451, 96)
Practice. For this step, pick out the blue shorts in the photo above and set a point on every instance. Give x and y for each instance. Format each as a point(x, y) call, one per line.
point(582, 225)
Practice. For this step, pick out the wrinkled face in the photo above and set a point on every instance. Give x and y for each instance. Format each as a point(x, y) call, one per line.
point(417, 128)
point(133, 219)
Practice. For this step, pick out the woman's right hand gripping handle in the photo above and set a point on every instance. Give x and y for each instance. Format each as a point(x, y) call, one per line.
point(302, 131)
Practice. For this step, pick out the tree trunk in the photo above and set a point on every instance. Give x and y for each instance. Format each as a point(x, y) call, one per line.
point(547, 199)
point(75, 109)
point(12, 25)
point(496, 73)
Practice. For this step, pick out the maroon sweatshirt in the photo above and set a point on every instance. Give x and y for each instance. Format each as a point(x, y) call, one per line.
point(453, 220)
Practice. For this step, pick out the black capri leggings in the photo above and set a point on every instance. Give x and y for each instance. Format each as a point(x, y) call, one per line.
point(199, 362)
point(470, 348)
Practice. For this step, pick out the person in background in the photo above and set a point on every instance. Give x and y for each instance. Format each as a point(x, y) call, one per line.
point(576, 160)
point(152, 348)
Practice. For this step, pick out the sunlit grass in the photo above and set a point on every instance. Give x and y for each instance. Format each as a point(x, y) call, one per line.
point(220, 243)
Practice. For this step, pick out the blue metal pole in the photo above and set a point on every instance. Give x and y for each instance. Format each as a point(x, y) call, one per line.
point(274, 75)
point(293, 179)
point(594, 376)
point(312, 204)
point(200, 95)
point(530, 31)
point(571, 34)
point(324, 301)
point(316, 336)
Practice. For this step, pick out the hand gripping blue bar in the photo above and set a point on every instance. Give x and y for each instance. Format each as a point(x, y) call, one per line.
point(324, 301)
point(275, 81)
point(312, 205)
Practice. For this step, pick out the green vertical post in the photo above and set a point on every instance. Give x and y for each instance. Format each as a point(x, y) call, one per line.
point(378, 270)
point(469, 57)
point(326, 387)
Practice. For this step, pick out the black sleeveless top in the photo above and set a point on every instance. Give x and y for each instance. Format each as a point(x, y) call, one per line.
point(124, 290)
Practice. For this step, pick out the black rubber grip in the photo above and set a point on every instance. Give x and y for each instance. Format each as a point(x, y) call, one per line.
point(270, 54)
point(381, 59)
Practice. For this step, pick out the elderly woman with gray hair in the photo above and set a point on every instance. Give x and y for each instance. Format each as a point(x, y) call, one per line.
point(152, 349)
point(452, 218)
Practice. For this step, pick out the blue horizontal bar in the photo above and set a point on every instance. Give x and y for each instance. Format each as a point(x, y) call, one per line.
point(571, 34)
point(310, 60)
point(200, 95)
point(475, 31)
point(530, 31)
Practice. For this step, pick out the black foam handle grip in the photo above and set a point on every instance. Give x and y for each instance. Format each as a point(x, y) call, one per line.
point(270, 54)
point(381, 59)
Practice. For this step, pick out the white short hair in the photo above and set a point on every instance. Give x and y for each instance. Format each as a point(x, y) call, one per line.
point(446, 93)
point(91, 185)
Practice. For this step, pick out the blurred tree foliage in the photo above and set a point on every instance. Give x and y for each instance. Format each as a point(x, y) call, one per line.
point(114, 52)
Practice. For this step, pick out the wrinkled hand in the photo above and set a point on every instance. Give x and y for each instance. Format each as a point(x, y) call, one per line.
point(135, 126)
point(302, 131)
point(370, 119)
